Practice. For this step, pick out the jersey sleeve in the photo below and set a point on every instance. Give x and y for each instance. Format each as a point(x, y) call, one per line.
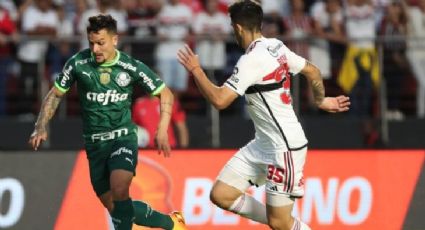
point(295, 62)
point(245, 74)
point(67, 77)
point(148, 80)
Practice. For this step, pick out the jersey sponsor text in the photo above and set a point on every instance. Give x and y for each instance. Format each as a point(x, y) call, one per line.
point(127, 66)
point(109, 135)
point(147, 81)
point(110, 96)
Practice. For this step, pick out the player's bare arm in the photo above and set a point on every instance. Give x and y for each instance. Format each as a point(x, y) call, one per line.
point(161, 138)
point(219, 97)
point(48, 109)
point(330, 104)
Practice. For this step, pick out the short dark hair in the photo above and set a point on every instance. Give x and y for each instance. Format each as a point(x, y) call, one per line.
point(101, 21)
point(247, 13)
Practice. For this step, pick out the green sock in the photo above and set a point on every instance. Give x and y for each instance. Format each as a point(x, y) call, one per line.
point(123, 215)
point(146, 216)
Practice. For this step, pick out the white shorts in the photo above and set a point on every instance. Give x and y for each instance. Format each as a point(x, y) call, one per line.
point(280, 171)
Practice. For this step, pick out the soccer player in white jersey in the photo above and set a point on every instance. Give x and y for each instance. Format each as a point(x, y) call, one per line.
point(277, 154)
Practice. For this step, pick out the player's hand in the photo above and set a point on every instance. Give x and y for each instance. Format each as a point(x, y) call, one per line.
point(188, 59)
point(335, 104)
point(37, 137)
point(161, 141)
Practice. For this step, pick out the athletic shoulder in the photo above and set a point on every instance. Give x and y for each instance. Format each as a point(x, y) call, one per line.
point(129, 63)
point(81, 58)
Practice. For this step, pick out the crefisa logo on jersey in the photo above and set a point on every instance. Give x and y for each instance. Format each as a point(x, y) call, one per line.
point(122, 79)
point(147, 81)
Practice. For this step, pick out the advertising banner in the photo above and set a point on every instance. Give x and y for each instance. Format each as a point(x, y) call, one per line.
point(343, 190)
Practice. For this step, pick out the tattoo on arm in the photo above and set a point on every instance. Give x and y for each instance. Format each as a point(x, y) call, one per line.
point(317, 85)
point(48, 108)
point(318, 91)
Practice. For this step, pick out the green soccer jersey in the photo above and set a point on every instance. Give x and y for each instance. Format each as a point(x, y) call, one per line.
point(105, 91)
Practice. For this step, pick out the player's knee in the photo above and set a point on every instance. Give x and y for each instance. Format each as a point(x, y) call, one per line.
point(216, 199)
point(120, 192)
point(279, 223)
point(220, 198)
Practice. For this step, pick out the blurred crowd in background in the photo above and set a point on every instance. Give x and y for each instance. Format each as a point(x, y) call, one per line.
point(364, 48)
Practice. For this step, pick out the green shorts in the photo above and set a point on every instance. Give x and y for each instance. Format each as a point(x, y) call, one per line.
point(106, 156)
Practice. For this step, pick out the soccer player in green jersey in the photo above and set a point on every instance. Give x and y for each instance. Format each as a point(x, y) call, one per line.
point(105, 78)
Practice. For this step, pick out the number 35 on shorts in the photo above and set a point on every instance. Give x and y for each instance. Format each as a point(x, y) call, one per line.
point(275, 174)
point(286, 180)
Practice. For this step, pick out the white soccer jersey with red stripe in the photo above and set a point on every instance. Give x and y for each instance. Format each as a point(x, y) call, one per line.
point(268, 63)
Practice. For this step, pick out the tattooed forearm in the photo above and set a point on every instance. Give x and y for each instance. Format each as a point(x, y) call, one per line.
point(316, 83)
point(48, 108)
point(318, 91)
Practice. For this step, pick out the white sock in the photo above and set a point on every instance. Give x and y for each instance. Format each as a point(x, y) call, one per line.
point(249, 207)
point(299, 225)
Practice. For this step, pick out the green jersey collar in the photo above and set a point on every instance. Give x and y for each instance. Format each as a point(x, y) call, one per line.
point(112, 62)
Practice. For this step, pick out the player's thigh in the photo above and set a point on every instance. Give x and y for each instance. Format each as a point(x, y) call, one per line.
point(120, 181)
point(98, 167)
point(239, 173)
point(123, 154)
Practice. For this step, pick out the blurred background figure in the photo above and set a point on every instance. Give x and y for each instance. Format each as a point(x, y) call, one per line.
point(110, 7)
point(39, 18)
point(173, 30)
point(146, 114)
point(360, 67)
point(327, 50)
point(61, 50)
point(142, 24)
point(395, 65)
point(297, 26)
point(416, 51)
point(276, 8)
point(211, 28)
point(359, 72)
point(7, 30)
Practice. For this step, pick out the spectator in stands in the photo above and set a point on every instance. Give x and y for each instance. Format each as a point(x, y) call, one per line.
point(103, 7)
point(7, 33)
point(360, 68)
point(298, 27)
point(146, 114)
point(212, 27)
point(142, 25)
point(38, 19)
point(61, 50)
point(194, 5)
point(173, 30)
point(395, 65)
point(416, 51)
point(327, 50)
point(10, 7)
point(276, 8)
